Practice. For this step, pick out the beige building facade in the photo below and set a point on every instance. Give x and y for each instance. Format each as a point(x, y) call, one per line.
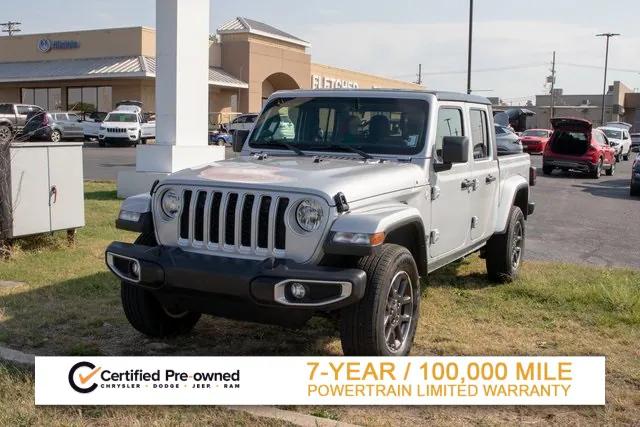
point(93, 70)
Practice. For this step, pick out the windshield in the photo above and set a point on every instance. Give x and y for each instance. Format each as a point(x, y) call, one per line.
point(612, 133)
point(539, 133)
point(372, 125)
point(121, 117)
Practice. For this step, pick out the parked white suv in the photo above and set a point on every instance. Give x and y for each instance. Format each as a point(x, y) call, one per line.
point(620, 139)
point(126, 125)
point(340, 214)
point(242, 122)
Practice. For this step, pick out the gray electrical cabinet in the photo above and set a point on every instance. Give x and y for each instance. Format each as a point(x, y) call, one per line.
point(47, 190)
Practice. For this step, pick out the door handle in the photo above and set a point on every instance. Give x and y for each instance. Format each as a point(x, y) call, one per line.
point(464, 185)
point(489, 179)
point(54, 193)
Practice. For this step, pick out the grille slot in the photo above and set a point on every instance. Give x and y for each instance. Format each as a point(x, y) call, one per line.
point(281, 230)
point(184, 216)
point(214, 218)
point(198, 233)
point(233, 221)
point(263, 222)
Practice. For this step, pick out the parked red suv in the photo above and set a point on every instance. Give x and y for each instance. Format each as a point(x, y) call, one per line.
point(574, 144)
point(534, 140)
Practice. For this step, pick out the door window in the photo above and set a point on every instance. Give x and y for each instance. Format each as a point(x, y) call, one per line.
point(449, 124)
point(479, 134)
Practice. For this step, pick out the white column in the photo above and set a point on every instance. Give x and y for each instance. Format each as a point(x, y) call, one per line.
point(182, 96)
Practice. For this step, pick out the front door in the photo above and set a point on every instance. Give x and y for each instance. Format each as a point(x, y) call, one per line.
point(450, 206)
point(484, 194)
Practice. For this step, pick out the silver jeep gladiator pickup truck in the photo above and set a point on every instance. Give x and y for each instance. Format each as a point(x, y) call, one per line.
point(340, 201)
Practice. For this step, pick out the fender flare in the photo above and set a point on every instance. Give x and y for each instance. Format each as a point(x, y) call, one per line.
point(388, 219)
point(511, 195)
point(140, 204)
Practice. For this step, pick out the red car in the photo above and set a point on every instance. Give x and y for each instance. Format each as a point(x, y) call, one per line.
point(534, 140)
point(575, 145)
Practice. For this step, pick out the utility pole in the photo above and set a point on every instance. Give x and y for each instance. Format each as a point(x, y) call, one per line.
point(10, 27)
point(419, 80)
point(606, 63)
point(469, 53)
point(553, 83)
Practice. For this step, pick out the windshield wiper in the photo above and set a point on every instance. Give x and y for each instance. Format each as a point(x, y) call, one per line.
point(365, 155)
point(281, 143)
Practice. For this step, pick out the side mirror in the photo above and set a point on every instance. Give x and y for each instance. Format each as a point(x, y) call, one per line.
point(239, 137)
point(455, 149)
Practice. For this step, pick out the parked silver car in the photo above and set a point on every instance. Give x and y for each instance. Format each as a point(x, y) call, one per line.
point(53, 126)
point(507, 141)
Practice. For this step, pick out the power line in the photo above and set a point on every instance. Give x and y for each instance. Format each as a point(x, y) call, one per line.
point(10, 27)
point(478, 70)
point(598, 67)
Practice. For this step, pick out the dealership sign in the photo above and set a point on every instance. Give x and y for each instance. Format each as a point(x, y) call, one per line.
point(323, 82)
point(45, 45)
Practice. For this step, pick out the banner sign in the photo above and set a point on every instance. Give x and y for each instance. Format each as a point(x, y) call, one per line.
point(320, 380)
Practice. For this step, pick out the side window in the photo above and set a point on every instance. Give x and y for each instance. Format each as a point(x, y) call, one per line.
point(22, 109)
point(449, 124)
point(625, 135)
point(479, 134)
point(74, 117)
point(251, 119)
point(600, 138)
point(6, 109)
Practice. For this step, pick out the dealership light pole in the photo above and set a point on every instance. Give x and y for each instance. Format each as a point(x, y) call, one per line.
point(469, 49)
point(606, 63)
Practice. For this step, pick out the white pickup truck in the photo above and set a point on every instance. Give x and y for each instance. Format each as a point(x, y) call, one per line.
point(126, 125)
point(366, 192)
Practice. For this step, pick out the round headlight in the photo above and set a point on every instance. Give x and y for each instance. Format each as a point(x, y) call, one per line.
point(309, 215)
point(170, 203)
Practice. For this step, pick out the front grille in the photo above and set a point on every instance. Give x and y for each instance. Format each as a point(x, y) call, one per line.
point(116, 130)
point(233, 221)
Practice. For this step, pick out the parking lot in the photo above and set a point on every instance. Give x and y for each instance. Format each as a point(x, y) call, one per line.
point(577, 219)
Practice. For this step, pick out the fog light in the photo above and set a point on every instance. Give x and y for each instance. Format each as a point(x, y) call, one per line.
point(135, 269)
point(298, 290)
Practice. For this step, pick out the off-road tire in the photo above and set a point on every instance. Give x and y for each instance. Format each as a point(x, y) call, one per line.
point(634, 190)
point(547, 170)
point(144, 311)
point(500, 249)
point(102, 143)
point(362, 324)
point(625, 157)
point(611, 170)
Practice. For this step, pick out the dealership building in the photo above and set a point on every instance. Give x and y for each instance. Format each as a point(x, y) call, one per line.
point(92, 70)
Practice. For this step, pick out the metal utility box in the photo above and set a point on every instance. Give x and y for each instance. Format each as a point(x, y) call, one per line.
point(47, 192)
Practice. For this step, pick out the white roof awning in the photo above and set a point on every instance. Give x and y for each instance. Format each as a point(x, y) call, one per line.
point(93, 68)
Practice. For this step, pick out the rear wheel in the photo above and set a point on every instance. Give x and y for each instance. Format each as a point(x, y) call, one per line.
point(547, 170)
point(626, 156)
point(504, 251)
point(635, 190)
point(221, 142)
point(145, 313)
point(384, 322)
point(611, 170)
point(597, 171)
point(56, 136)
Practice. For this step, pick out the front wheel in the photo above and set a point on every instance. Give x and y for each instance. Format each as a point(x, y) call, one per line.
point(145, 313)
point(5, 134)
point(505, 251)
point(384, 322)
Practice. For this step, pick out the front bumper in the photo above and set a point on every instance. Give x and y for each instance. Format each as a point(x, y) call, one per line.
point(580, 165)
point(170, 271)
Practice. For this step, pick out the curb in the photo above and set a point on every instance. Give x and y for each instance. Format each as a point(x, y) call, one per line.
point(297, 418)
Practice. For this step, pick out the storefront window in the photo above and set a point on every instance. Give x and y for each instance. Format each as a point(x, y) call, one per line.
point(105, 100)
point(90, 98)
point(48, 98)
point(74, 99)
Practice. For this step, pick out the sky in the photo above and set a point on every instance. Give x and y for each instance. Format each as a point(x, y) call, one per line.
point(512, 41)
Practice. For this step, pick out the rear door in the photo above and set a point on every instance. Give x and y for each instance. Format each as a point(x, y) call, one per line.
point(75, 125)
point(484, 173)
point(608, 152)
point(450, 205)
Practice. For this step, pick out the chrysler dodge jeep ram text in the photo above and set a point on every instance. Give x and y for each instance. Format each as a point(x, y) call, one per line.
point(366, 192)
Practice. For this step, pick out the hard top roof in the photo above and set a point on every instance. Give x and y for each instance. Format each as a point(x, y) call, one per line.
point(440, 95)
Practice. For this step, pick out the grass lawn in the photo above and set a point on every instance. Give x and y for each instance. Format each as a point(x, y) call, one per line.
point(69, 305)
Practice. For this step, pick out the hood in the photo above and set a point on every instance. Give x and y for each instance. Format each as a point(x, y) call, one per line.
point(322, 176)
point(570, 123)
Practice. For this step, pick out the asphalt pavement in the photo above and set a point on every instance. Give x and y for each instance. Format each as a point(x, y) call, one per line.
point(577, 219)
